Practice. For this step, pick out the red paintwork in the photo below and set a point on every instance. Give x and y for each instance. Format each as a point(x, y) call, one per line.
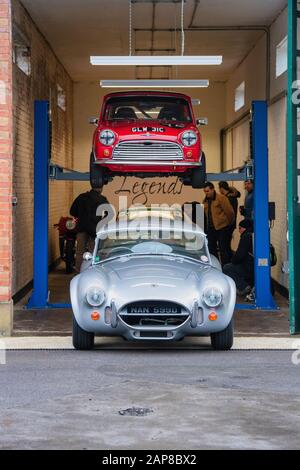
point(62, 227)
point(123, 131)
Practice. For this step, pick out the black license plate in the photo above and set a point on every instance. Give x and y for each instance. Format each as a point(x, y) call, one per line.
point(156, 310)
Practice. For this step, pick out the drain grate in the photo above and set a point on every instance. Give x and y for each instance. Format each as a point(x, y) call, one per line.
point(135, 411)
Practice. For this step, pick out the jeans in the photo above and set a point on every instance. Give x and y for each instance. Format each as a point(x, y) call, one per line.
point(238, 274)
point(219, 241)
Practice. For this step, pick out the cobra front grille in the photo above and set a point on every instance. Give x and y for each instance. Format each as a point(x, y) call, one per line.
point(147, 150)
point(154, 314)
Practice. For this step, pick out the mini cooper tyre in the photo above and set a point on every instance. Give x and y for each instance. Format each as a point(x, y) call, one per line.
point(96, 174)
point(82, 340)
point(198, 177)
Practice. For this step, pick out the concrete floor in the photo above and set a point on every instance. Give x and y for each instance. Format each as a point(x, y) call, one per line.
point(126, 396)
point(149, 400)
point(59, 322)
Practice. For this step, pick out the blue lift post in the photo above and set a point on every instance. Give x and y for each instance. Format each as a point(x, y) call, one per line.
point(39, 298)
point(43, 170)
point(262, 268)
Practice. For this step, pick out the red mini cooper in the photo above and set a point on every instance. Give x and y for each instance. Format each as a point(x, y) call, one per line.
point(147, 134)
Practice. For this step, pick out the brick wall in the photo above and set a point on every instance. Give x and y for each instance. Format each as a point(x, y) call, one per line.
point(46, 74)
point(5, 151)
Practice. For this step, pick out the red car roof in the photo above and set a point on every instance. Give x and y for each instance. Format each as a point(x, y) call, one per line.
point(146, 93)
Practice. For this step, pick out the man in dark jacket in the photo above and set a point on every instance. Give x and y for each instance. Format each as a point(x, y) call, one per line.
point(84, 208)
point(233, 194)
point(219, 217)
point(242, 266)
point(248, 209)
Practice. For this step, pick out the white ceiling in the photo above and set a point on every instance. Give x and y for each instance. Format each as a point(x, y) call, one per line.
point(77, 29)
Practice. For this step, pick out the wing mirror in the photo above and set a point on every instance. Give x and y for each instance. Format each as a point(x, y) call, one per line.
point(93, 120)
point(87, 256)
point(202, 121)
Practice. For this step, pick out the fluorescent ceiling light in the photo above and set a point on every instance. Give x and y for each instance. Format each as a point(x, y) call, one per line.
point(157, 60)
point(154, 83)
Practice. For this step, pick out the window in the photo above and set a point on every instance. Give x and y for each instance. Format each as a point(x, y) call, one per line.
point(61, 98)
point(22, 58)
point(239, 97)
point(281, 57)
point(21, 50)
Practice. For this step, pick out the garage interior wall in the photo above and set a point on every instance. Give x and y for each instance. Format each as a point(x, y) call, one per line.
point(236, 142)
point(45, 76)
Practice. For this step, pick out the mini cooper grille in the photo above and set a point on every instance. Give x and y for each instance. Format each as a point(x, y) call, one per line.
point(148, 150)
point(154, 314)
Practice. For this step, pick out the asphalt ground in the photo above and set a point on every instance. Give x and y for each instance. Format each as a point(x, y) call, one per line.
point(150, 399)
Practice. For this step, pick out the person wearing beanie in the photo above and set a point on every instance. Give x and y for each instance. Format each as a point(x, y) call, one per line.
point(241, 267)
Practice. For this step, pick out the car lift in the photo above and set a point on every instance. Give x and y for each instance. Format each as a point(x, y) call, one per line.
point(256, 170)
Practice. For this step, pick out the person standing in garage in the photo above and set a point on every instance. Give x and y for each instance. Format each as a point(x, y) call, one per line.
point(241, 267)
point(233, 194)
point(219, 217)
point(247, 210)
point(84, 208)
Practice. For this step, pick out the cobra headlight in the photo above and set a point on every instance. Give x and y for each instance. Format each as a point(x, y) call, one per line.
point(189, 138)
point(107, 137)
point(95, 296)
point(212, 296)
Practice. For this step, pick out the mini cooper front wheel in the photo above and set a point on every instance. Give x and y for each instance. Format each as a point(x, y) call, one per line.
point(82, 340)
point(96, 174)
point(198, 177)
point(223, 340)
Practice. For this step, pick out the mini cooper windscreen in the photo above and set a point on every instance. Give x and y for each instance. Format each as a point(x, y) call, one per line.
point(144, 108)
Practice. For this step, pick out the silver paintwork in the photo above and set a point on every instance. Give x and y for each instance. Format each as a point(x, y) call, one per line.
point(155, 277)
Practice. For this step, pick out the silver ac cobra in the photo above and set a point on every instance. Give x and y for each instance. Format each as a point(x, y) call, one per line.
point(153, 280)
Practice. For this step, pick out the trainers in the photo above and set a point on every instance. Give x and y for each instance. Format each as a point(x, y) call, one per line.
point(245, 291)
point(251, 296)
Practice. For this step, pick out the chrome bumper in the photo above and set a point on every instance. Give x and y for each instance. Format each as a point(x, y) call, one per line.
point(149, 163)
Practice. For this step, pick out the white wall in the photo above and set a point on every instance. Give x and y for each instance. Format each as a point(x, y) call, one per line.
point(278, 32)
point(253, 71)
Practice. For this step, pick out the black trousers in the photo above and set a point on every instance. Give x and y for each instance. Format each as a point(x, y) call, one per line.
point(219, 242)
point(238, 273)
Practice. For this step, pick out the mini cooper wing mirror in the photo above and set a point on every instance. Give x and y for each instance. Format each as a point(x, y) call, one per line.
point(87, 256)
point(202, 121)
point(93, 120)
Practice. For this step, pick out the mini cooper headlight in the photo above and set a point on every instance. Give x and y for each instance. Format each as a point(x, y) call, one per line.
point(107, 137)
point(95, 296)
point(212, 296)
point(189, 138)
